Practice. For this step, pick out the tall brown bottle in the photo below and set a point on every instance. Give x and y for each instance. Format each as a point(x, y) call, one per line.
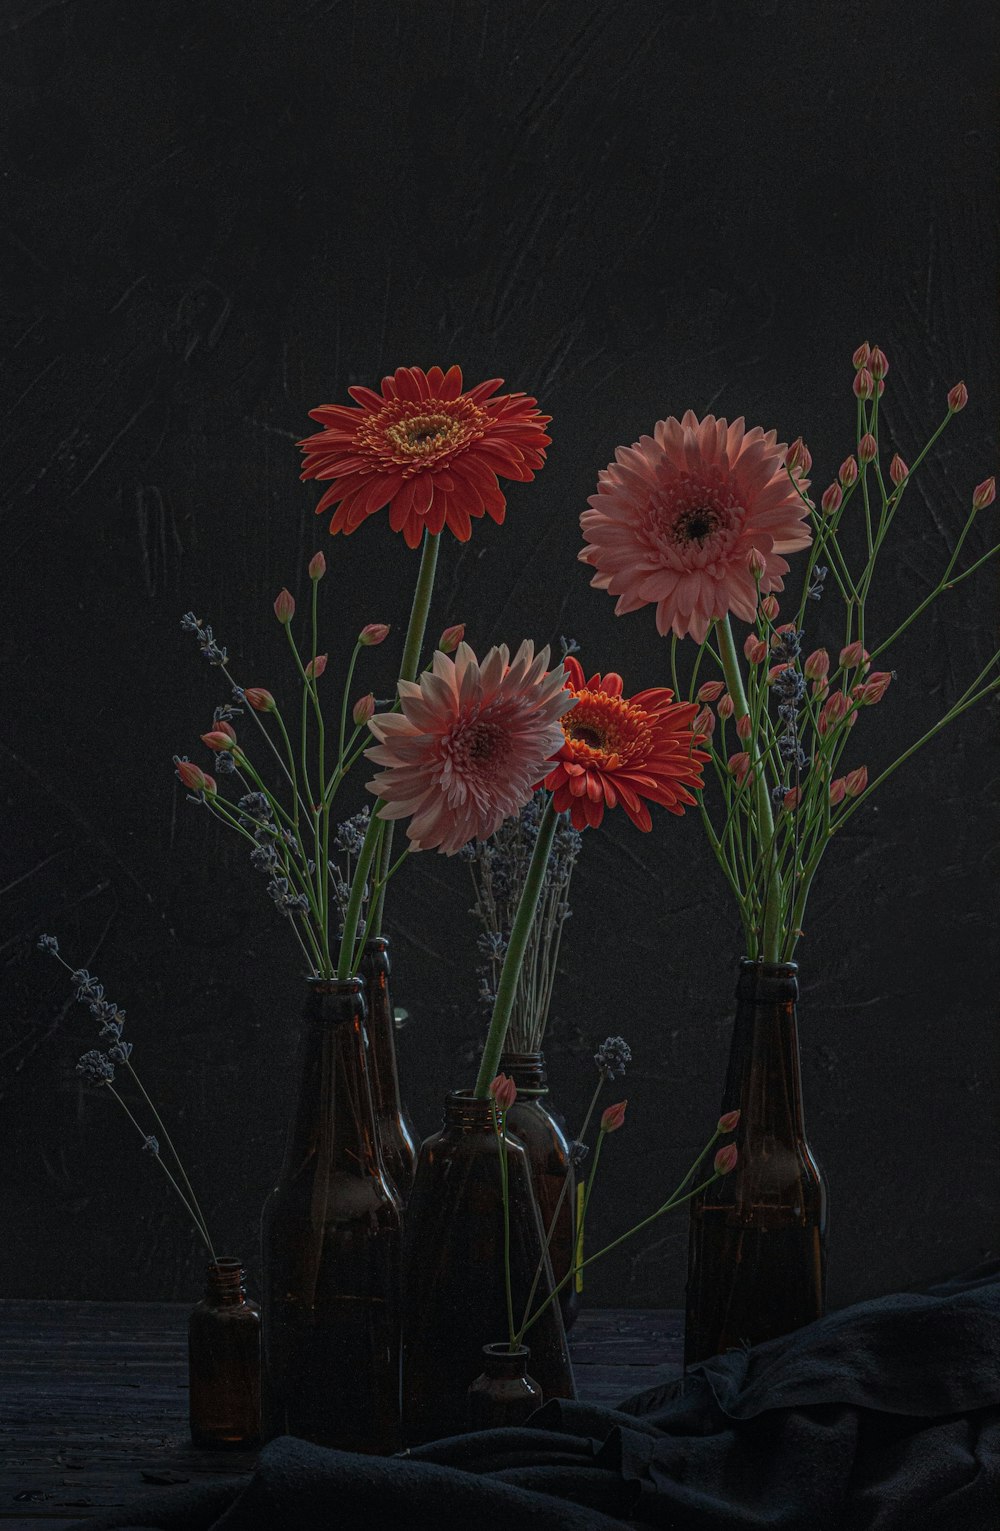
point(396, 1134)
point(756, 1253)
point(331, 1247)
point(531, 1121)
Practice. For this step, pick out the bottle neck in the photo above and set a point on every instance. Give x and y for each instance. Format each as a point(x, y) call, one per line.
point(764, 1080)
point(225, 1283)
point(527, 1071)
point(463, 1112)
point(334, 1126)
point(502, 1364)
point(376, 963)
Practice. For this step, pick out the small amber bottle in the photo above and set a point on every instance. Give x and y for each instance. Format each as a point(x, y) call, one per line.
point(224, 1361)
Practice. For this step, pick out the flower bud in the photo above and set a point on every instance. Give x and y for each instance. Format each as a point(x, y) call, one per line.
point(861, 356)
point(769, 607)
point(704, 723)
point(504, 1092)
point(874, 688)
point(614, 1116)
point(710, 691)
point(209, 786)
point(958, 397)
point(725, 706)
point(756, 564)
point(754, 648)
point(775, 671)
point(725, 1159)
point(832, 499)
point(868, 448)
point(192, 776)
point(853, 655)
point(317, 566)
point(375, 633)
point(259, 699)
point(744, 726)
point(284, 607)
point(984, 494)
point(880, 387)
point(315, 667)
point(848, 474)
point(217, 740)
point(451, 638)
point(838, 790)
point(820, 687)
point(856, 781)
point(729, 1122)
point(792, 798)
point(831, 712)
point(738, 767)
point(817, 665)
point(897, 469)
point(878, 363)
point(863, 384)
point(363, 709)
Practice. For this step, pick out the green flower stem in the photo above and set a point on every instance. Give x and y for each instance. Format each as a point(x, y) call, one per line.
point(509, 973)
point(501, 1138)
point(765, 818)
point(344, 701)
point(352, 914)
point(943, 584)
point(177, 1158)
point(320, 808)
point(408, 671)
point(280, 812)
point(202, 1230)
point(267, 737)
point(305, 710)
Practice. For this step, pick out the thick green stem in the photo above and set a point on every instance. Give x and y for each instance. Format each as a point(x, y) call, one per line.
point(509, 973)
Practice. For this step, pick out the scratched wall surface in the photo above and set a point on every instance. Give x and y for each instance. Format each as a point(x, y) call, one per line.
point(216, 217)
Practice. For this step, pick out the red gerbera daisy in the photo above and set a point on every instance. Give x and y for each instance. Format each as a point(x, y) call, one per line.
point(430, 452)
point(623, 749)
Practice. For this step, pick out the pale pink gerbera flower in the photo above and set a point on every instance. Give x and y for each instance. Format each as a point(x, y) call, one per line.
point(470, 745)
point(677, 514)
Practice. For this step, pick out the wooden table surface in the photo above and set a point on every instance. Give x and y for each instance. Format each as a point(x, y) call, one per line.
point(93, 1399)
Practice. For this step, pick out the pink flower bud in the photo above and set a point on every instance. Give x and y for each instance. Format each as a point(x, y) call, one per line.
point(863, 384)
point(832, 711)
point(704, 723)
point(209, 786)
point(861, 356)
point(738, 767)
point(217, 740)
point(315, 667)
point(317, 566)
point(504, 1092)
point(451, 638)
point(284, 607)
point(984, 494)
point(821, 687)
point(958, 397)
point(725, 706)
point(729, 1122)
point(838, 791)
point(756, 563)
point(744, 726)
point(792, 798)
point(848, 474)
point(375, 633)
point(793, 456)
point(259, 699)
point(614, 1116)
point(880, 387)
point(832, 499)
point(363, 709)
point(856, 781)
point(192, 776)
point(769, 606)
point(710, 691)
point(754, 648)
point(897, 469)
point(853, 655)
point(874, 688)
point(817, 665)
point(868, 448)
point(878, 363)
point(725, 1159)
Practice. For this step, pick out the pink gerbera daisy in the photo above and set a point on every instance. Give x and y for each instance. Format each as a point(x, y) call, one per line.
point(430, 452)
point(470, 744)
point(677, 514)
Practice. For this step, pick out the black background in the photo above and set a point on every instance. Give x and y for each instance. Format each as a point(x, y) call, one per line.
point(218, 216)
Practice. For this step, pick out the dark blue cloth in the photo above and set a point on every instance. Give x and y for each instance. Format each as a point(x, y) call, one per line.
point(881, 1417)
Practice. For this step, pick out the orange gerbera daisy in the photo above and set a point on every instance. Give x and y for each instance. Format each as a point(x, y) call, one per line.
point(624, 749)
point(430, 452)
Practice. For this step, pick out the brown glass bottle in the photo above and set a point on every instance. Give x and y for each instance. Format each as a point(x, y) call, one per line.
point(454, 1272)
point(503, 1394)
point(396, 1134)
point(756, 1253)
point(331, 1247)
point(224, 1361)
point(533, 1124)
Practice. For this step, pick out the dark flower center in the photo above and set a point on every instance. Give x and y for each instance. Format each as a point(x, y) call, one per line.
point(587, 736)
point(695, 524)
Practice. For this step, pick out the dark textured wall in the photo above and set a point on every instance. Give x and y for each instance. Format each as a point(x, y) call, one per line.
point(217, 216)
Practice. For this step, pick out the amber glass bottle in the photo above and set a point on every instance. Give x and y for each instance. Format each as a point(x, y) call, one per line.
point(396, 1134)
point(331, 1247)
point(503, 1394)
point(756, 1254)
point(454, 1272)
point(224, 1361)
point(532, 1122)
